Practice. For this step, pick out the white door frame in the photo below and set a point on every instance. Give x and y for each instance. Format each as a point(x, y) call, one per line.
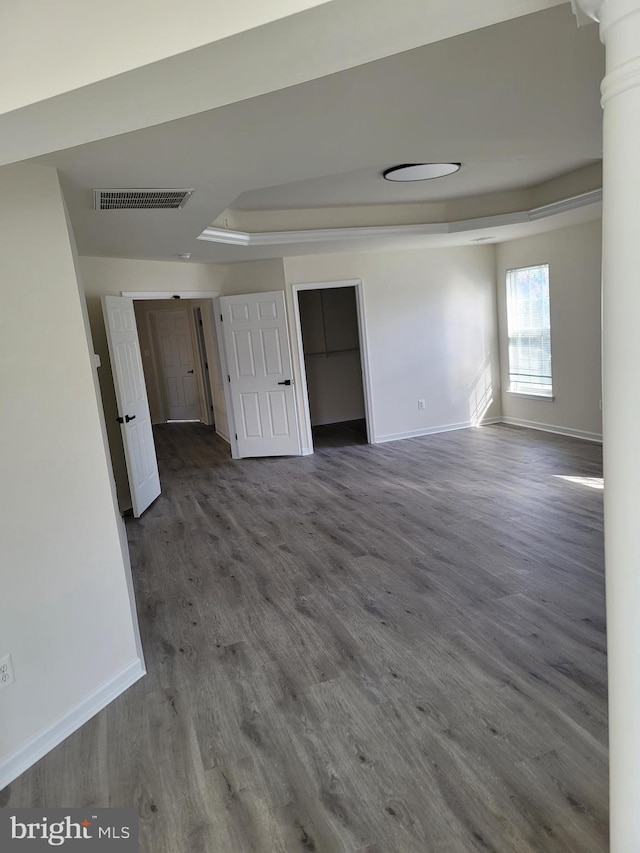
point(222, 355)
point(170, 294)
point(364, 351)
point(202, 358)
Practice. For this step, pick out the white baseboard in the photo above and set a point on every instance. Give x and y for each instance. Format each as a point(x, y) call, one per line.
point(32, 751)
point(572, 433)
point(415, 433)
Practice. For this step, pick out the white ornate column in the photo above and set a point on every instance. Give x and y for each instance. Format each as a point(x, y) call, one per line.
point(620, 32)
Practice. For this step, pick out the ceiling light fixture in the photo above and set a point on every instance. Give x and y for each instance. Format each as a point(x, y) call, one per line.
point(420, 171)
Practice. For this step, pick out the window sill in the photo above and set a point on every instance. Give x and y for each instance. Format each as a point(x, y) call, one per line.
point(546, 398)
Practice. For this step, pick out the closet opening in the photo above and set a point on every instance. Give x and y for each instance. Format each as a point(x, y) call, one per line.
point(330, 337)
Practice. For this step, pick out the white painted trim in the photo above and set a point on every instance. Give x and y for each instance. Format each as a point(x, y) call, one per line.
point(306, 441)
point(586, 11)
point(126, 559)
point(170, 294)
point(547, 398)
point(323, 235)
point(364, 362)
point(27, 755)
point(225, 235)
point(621, 80)
point(566, 204)
point(416, 433)
point(558, 430)
point(222, 355)
point(327, 285)
point(364, 353)
point(495, 221)
point(202, 358)
point(315, 235)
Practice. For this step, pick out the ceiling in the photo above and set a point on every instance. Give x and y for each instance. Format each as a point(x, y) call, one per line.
point(516, 103)
point(365, 186)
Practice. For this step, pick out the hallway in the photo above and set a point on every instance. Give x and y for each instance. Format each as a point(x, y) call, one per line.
point(395, 649)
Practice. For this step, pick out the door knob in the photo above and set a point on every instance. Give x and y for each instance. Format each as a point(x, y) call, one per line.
point(286, 382)
point(126, 419)
point(189, 371)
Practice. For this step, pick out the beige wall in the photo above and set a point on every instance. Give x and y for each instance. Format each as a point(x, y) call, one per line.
point(432, 333)
point(112, 276)
point(85, 34)
point(574, 258)
point(65, 608)
point(252, 277)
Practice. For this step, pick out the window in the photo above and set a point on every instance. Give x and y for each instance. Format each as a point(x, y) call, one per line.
point(529, 330)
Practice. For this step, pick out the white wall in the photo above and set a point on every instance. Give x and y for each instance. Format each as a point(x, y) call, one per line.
point(65, 609)
point(432, 333)
point(112, 276)
point(574, 256)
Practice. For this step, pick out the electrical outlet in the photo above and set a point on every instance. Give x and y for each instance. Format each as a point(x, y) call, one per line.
point(6, 671)
point(421, 405)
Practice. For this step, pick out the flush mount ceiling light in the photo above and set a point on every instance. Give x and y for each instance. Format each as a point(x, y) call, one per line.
point(419, 171)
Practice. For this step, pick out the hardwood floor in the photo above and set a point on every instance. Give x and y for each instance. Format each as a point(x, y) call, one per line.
point(394, 648)
point(340, 435)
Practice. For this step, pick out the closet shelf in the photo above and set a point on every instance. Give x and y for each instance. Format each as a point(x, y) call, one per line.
point(332, 352)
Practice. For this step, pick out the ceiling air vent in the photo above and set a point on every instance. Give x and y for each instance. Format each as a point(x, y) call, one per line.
point(140, 199)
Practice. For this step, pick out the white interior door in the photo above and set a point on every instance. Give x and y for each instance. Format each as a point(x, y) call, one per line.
point(131, 397)
point(177, 365)
point(256, 345)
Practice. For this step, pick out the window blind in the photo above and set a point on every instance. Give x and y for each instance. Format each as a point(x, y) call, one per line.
point(529, 330)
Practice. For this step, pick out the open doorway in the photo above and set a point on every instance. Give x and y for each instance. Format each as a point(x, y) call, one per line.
point(175, 360)
point(132, 338)
point(333, 361)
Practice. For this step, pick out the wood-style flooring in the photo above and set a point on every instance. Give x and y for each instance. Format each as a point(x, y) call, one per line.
point(393, 649)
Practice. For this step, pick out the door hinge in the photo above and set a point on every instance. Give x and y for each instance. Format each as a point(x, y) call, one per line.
point(236, 436)
point(211, 407)
point(228, 377)
point(206, 365)
point(221, 319)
